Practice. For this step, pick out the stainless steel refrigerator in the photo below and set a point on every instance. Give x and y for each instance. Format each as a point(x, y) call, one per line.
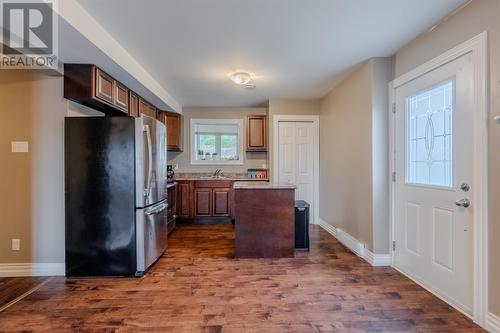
point(116, 195)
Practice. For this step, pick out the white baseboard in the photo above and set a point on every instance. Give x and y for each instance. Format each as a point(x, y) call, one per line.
point(328, 227)
point(32, 269)
point(377, 259)
point(492, 323)
point(352, 243)
point(356, 246)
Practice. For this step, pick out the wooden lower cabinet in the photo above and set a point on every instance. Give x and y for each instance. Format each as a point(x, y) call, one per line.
point(202, 202)
point(184, 199)
point(221, 198)
point(172, 207)
point(203, 199)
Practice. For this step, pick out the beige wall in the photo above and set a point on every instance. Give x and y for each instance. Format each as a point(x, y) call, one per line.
point(478, 16)
point(354, 191)
point(252, 159)
point(32, 184)
point(294, 107)
point(345, 155)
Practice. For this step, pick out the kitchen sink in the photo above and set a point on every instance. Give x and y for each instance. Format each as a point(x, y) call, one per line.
point(213, 177)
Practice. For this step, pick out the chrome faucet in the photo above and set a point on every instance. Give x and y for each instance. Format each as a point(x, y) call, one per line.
point(218, 173)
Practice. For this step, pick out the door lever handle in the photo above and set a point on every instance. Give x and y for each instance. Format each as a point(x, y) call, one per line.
point(463, 203)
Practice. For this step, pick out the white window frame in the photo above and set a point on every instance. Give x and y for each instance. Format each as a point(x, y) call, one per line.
point(192, 138)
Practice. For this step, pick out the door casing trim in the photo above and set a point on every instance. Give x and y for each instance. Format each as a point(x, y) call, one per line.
point(478, 47)
point(314, 119)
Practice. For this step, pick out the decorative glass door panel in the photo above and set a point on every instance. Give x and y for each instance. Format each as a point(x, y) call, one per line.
point(429, 136)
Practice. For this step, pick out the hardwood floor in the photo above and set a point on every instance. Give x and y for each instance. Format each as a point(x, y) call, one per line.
point(12, 288)
point(198, 287)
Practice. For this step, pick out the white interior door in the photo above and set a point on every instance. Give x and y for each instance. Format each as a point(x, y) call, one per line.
point(296, 159)
point(433, 144)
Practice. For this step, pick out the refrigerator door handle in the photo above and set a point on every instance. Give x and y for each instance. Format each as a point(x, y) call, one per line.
point(157, 210)
point(150, 160)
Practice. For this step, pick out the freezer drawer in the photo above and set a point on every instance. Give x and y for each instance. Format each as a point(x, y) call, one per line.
point(151, 234)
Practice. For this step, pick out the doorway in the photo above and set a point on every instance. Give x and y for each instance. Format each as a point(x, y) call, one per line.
point(296, 157)
point(439, 190)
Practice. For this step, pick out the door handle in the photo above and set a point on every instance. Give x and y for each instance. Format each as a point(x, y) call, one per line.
point(463, 203)
point(150, 160)
point(157, 210)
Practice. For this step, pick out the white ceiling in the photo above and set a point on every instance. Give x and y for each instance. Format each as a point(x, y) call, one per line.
point(295, 48)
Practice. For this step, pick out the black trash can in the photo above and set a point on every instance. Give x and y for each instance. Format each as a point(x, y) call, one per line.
point(301, 225)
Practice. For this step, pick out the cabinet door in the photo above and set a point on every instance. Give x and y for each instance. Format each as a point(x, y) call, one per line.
point(121, 97)
point(146, 108)
point(184, 199)
point(104, 88)
point(171, 210)
point(202, 202)
point(133, 105)
point(173, 123)
point(221, 202)
point(152, 111)
point(256, 133)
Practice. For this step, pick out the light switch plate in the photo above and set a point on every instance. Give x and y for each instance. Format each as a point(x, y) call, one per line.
point(19, 146)
point(16, 244)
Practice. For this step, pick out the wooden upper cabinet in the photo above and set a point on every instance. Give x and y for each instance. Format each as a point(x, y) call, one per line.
point(104, 87)
point(133, 110)
point(146, 108)
point(257, 133)
point(90, 86)
point(173, 122)
point(174, 130)
point(121, 97)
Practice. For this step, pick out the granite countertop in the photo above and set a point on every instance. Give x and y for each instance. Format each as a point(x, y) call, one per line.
point(206, 176)
point(244, 179)
point(263, 186)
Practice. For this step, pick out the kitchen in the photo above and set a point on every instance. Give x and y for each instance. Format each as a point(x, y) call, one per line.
point(226, 166)
point(106, 237)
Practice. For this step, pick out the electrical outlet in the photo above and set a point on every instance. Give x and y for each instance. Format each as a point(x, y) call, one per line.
point(16, 244)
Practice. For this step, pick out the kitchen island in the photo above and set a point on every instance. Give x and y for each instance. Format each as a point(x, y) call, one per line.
point(264, 220)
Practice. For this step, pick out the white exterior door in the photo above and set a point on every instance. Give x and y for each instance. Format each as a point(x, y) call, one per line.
point(296, 159)
point(433, 143)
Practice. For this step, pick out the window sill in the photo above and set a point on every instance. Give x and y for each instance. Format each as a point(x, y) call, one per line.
point(240, 162)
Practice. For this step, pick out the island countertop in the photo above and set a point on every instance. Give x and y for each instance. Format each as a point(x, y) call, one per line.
point(262, 186)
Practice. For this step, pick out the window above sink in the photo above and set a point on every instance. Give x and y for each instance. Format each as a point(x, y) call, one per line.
point(217, 141)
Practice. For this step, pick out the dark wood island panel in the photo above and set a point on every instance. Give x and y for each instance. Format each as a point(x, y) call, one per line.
point(264, 223)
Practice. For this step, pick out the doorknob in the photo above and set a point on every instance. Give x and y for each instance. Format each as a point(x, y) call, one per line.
point(463, 203)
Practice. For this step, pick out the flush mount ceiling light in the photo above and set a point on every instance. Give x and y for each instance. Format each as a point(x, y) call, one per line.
point(242, 79)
